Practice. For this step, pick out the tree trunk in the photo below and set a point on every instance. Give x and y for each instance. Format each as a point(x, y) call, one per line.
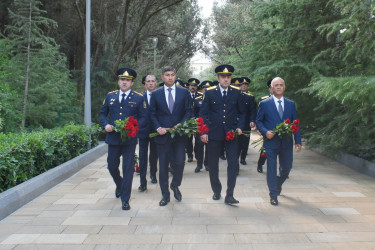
point(27, 70)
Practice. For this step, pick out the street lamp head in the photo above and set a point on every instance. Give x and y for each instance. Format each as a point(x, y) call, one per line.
point(155, 41)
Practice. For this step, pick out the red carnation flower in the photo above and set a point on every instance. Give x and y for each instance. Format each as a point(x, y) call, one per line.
point(287, 121)
point(296, 121)
point(263, 155)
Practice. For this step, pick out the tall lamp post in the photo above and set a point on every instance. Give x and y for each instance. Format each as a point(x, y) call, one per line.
point(155, 42)
point(87, 114)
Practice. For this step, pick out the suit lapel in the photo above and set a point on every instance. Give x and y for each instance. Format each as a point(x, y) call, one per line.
point(274, 108)
point(286, 109)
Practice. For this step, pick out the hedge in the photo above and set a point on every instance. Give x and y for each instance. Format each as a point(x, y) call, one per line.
point(25, 155)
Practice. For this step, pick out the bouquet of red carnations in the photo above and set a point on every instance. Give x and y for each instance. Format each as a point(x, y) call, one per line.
point(202, 128)
point(232, 134)
point(188, 128)
point(128, 128)
point(283, 129)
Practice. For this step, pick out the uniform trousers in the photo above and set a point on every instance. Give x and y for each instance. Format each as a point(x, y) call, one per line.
point(123, 183)
point(231, 148)
point(143, 154)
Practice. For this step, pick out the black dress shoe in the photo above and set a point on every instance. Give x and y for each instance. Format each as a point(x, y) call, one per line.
point(164, 202)
point(216, 196)
point(117, 193)
point(142, 188)
point(153, 179)
point(198, 169)
point(274, 201)
point(177, 193)
point(230, 200)
point(260, 169)
point(223, 157)
point(243, 162)
point(190, 159)
point(125, 205)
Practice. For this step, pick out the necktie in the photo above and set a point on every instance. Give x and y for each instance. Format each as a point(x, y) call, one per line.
point(280, 109)
point(123, 98)
point(193, 95)
point(170, 100)
point(224, 96)
point(149, 99)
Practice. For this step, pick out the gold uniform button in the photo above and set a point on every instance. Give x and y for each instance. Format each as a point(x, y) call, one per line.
point(120, 107)
point(225, 105)
point(224, 116)
point(224, 110)
point(120, 113)
point(223, 122)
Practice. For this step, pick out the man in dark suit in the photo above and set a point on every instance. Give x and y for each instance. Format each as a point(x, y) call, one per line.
point(193, 84)
point(145, 140)
point(271, 112)
point(119, 105)
point(170, 105)
point(222, 111)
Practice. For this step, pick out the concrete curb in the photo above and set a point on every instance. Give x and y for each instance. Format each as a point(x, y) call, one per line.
point(358, 164)
point(16, 197)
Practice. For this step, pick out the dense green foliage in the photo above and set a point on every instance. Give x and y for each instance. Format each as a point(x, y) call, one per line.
point(324, 52)
point(25, 155)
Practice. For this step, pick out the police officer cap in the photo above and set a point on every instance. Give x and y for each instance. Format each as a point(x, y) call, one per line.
point(180, 83)
point(269, 82)
point(205, 84)
point(224, 70)
point(236, 81)
point(144, 80)
point(215, 83)
point(126, 73)
point(193, 81)
point(245, 80)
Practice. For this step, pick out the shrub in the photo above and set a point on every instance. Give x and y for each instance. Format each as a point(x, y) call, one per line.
point(25, 155)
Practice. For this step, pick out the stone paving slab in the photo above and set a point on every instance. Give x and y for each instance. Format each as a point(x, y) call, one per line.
point(324, 205)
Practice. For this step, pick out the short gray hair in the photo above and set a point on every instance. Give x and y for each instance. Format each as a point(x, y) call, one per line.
point(168, 68)
point(148, 76)
point(275, 79)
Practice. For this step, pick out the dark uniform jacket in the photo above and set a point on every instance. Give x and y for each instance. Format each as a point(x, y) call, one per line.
point(222, 117)
point(249, 109)
point(113, 110)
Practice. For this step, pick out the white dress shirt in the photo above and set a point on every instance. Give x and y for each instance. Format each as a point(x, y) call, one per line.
point(222, 90)
point(120, 95)
point(148, 93)
point(277, 101)
point(166, 92)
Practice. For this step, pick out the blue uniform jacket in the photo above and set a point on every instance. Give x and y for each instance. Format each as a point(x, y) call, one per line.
point(249, 110)
point(147, 127)
point(113, 110)
point(219, 117)
point(268, 118)
point(161, 116)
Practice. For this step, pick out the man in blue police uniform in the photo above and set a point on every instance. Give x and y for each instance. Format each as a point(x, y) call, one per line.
point(145, 140)
point(271, 112)
point(222, 111)
point(262, 157)
point(199, 149)
point(170, 105)
point(119, 105)
point(193, 84)
point(250, 116)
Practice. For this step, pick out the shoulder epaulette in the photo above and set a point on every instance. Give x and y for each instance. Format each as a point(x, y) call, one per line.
point(235, 87)
point(264, 97)
point(247, 93)
point(137, 93)
point(211, 88)
point(112, 91)
point(199, 97)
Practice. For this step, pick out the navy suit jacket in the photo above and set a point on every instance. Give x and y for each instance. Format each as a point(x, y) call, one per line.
point(268, 118)
point(161, 117)
point(132, 106)
point(222, 117)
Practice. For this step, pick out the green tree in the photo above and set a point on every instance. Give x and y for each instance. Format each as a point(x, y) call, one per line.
point(39, 69)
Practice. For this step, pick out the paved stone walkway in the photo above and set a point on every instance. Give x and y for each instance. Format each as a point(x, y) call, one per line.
point(324, 205)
